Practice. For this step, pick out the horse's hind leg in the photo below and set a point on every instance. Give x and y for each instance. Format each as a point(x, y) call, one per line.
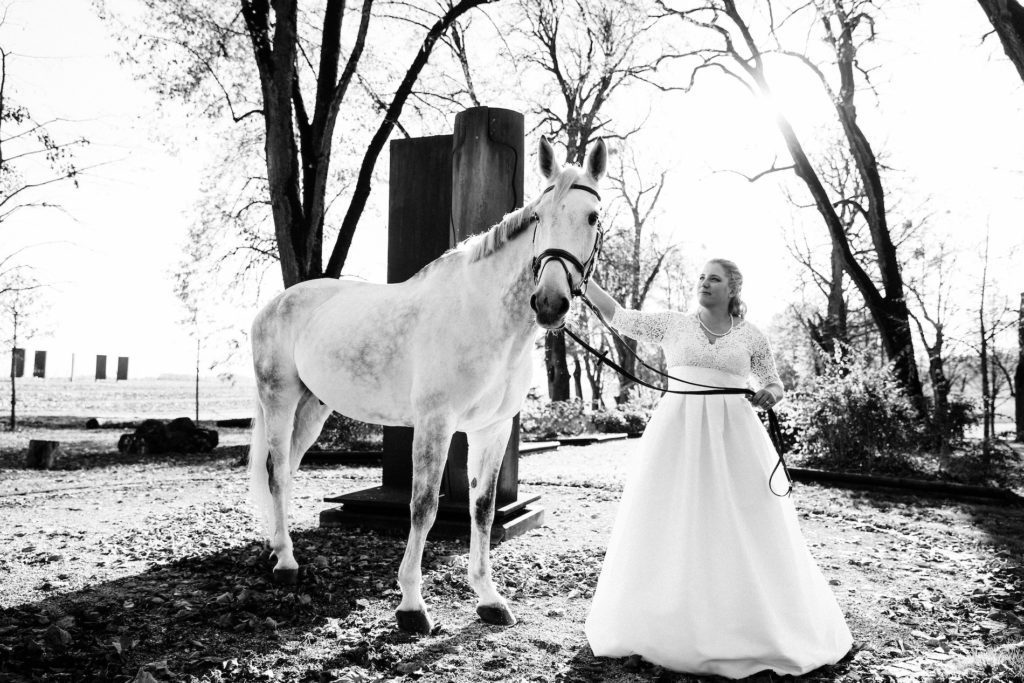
point(279, 399)
point(309, 422)
point(431, 439)
point(486, 450)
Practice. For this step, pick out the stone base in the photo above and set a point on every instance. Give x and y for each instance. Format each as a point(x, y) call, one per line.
point(386, 509)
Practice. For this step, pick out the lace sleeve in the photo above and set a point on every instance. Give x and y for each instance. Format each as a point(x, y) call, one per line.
point(762, 361)
point(650, 327)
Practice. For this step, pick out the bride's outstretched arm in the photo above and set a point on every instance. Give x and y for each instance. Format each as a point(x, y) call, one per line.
point(601, 299)
point(650, 327)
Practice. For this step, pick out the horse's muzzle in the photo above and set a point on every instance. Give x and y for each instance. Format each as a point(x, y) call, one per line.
point(550, 310)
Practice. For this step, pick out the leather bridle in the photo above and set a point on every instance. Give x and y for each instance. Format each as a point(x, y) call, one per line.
point(562, 256)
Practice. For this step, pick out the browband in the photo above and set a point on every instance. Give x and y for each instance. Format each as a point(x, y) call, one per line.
point(574, 186)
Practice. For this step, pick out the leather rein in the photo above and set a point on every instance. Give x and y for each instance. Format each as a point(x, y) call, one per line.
point(586, 269)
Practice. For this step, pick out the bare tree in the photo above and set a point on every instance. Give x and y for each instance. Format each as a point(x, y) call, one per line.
point(993, 321)
point(587, 51)
point(304, 79)
point(930, 284)
point(635, 256)
point(19, 300)
point(846, 26)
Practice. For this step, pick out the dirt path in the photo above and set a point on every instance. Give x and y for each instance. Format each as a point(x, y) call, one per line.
point(124, 565)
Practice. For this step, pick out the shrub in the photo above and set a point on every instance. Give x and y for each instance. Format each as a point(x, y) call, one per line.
point(541, 419)
point(343, 433)
point(970, 465)
point(628, 418)
point(960, 415)
point(787, 426)
point(609, 421)
point(854, 416)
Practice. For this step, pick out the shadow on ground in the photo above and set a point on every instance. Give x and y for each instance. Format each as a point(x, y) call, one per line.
point(204, 614)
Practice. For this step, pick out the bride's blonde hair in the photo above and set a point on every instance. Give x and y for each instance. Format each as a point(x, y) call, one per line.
point(735, 277)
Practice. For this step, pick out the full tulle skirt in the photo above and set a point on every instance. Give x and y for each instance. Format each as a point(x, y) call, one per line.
point(706, 569)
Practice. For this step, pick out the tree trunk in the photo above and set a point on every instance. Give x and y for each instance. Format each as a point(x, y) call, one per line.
point(577, 379)
point(1018, 376)
point(837, 300)
point(986, 400)
point(198, 347)
point(940, 392)
point(558, 370)
point(14, 392)
point(595, 373)
point(1007, 18)
point(628, 363)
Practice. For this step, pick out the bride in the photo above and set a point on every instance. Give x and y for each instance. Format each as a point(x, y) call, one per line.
point(706, 570)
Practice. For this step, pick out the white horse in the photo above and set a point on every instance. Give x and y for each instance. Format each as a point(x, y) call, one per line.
point(447, 350)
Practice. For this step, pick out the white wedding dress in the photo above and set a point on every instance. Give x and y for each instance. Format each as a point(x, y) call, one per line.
point(706, 570)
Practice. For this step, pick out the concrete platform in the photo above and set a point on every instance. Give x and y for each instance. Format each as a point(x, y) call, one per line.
point(537, 446)
point(587, 439)
point(386, 509)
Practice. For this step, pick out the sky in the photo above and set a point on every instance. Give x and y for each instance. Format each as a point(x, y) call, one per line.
point(948, 118)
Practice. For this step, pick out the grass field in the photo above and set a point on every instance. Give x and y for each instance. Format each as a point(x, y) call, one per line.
point(127, 400)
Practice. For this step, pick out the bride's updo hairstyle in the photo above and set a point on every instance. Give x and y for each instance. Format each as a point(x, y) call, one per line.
point(732, 271)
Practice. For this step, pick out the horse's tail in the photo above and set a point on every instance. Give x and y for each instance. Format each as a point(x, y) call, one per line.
point(259, 478)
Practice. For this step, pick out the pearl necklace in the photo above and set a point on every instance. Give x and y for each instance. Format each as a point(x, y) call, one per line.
point(707, 329)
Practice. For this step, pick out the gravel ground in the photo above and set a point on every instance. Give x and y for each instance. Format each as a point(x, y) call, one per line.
point(150, 568)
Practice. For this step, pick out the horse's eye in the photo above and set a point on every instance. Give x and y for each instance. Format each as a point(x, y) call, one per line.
point(592, 218)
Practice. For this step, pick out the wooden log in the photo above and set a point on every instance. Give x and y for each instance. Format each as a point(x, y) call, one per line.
point(42, 455)
point(874, 481)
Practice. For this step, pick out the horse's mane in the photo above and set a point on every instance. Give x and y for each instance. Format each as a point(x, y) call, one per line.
point(514, 223)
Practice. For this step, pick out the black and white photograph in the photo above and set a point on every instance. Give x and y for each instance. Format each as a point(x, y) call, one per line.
point(538, 341)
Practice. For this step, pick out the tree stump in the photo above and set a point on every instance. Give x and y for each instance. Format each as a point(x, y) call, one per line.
point(42, 455)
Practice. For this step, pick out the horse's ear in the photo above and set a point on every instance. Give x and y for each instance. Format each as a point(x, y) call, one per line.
point(546, 158)
point(597, 160)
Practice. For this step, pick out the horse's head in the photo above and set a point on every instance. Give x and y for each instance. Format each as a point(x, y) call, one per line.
point(567, 236)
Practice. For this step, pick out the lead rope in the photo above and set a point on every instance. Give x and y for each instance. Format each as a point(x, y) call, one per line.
point(774, 431)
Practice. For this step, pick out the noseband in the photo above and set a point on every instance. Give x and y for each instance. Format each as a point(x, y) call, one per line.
point(562, 256)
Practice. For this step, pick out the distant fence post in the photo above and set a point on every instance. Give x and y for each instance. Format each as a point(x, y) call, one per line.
point(101, 366)
point(39, 364)
point(122, 367)
point(17, 362)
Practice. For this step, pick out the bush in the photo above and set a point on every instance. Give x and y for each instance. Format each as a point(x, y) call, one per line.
point(542, 419)
point(970, 465)
point(960, 415)
point(787, 426)
point(610, 421)
point(855, 417)
point(628, 418)
point(342, 433)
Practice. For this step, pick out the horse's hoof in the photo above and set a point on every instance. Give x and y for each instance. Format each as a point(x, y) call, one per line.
point(286, 577)
point(413, 621)
point(495, 614)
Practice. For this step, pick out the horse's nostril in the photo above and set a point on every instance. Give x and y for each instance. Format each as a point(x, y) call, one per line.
point(563, 307)
point(533, 303)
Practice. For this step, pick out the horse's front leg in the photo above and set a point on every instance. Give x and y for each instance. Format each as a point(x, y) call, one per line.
point(431, 439)
point(486, 450)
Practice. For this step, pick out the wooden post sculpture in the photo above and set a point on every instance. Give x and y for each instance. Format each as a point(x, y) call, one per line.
point(39, 364)
point(443, 189)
